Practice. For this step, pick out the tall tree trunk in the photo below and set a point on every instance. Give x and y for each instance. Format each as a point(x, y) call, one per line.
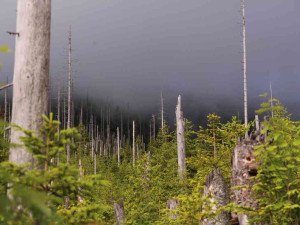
point(31, 72)
point(118, 140)
point(5, 111)
point(58, 115)
point(180, 140)
point(162, 111)
point(153, 120)
point(133, 143)
point(69, 89)
point(245, 66)
point(271, 97)
point(121, 129)
point(81, 115)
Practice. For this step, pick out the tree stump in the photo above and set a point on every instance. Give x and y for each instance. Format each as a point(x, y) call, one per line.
point(216, 185)
point(119, 212)
point(172, 205)
point(244, 166)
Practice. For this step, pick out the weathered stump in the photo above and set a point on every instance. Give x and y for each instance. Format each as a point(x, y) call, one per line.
point(172, 205)
point(216, 185)
point(119, 212)
point(244, 166)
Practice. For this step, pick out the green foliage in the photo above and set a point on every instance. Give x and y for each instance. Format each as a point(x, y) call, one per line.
point(4, 145)
point(278, 180)
point(214, 146)
point(192, 209)
point(38, 194)
point(4, 49)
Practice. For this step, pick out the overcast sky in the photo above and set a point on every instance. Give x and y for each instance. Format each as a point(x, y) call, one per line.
point(128, 50)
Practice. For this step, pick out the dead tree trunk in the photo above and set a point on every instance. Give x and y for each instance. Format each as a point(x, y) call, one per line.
point(162, 111)
point(119, 213)
point(172, 205)
point(245, 66)
point(5, 111)
point(180, 140)
point(271, 97)
point(244, 166)
point(58, 115)
point(216, 185)
point(69, 90)
point(31, 76)
point(118, 143)
point(153, 120)
point(133, 144)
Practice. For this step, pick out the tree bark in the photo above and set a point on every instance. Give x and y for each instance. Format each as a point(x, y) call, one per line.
point(133, 144)
point(69, 90)
point(180, 140)
point(118, 140)
point(31, 71)
point(216, 185)
point(119, 213)
point(162, 111)
point(245, 66)
point(172, 205)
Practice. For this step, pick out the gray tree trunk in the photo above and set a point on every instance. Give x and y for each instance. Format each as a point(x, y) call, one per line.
point(245, 66)
point(119, 213)
point(5, 111)
point(31, 71)
point(118, 143)
point(162, 111)
point(69, 90)
point(58, 115)
point(153, 120)
point(133, 143)
point(172, 205)
point(180, 140)
point(244, 166)
point(216, 185)
point(271, 97)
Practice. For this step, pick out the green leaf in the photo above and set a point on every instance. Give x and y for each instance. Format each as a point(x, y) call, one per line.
point(5, 49)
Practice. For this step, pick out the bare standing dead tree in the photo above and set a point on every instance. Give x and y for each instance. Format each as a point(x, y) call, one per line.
point(69, 89)
point(31, 72)
point(180, 140)
point(118, 143)
point(245, 66)
point(162, 110)
point(133, 143)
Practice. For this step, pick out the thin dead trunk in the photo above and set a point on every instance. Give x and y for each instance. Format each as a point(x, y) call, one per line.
point(133, 143)
point(153, 120)
point(245, 66)
point(58, 115)
point(257, 123)
point(118, 143)
point(271, 96)
point(162, 111)
point(5, 111)
point(31, 71)
point(69, 89)
point(180, 140)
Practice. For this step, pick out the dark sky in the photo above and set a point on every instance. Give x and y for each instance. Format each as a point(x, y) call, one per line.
point(126, 51)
